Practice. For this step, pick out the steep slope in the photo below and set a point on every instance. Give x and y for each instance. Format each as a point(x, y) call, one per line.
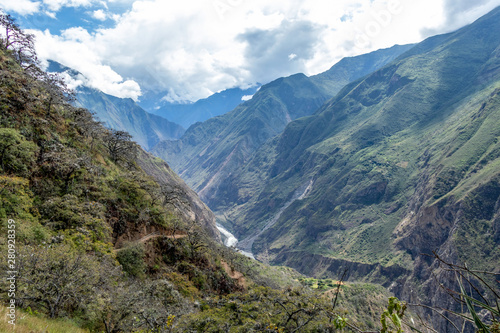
point(125, 115)
point(100, 246)
point(121, 113)
point(203, 109)
point(184, 201)
point(402, 162)
point(210, 152)
point(352, 68)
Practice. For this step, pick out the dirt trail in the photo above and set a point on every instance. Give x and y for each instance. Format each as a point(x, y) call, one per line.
point(238, 276)
point(167, 234)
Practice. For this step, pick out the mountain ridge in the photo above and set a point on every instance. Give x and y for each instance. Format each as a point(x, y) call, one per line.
point(188, 114)
point(403, 161)
point(231, 139)
point(122, 114)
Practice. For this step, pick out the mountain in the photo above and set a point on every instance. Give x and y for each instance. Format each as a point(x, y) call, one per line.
point(400, 163)
point(350, 69)
point(189, 113)
point(210, 152)
point(125, 115)
point(104, 237)
point(122, 113)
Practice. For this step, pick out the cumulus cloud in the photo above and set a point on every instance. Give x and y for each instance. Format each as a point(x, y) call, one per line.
point(267, 51)
point(56, 5)
point(458, 13)
point(99, 15)
point(74, 49)
point(194, 48)
point(73, 82)
point(23, 7)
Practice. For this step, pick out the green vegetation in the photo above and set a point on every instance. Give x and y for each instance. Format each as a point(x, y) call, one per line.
point(105, 235)
point(125, 115)
point(395, 159)
point(132, 259)
point(210, 152)
point(102, 246)
point(401, 162)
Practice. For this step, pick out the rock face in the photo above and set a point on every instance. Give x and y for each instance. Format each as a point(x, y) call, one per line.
point(325, 267)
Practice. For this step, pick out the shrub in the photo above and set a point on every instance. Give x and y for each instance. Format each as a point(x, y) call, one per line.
point(132, 259)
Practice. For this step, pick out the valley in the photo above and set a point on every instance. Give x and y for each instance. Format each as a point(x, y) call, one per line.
point(365, 198)
point(390, 156)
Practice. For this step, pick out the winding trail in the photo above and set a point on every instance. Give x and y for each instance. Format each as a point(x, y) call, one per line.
point(167, 234)
point(233, 274)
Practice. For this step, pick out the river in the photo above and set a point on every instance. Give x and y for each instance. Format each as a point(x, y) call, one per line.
point(231, 241)
point(245, 246)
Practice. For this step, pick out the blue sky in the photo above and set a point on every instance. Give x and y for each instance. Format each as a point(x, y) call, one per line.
point(190, 49)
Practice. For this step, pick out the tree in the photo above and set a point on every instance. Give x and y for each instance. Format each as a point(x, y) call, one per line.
point(132, 259)
point(56, 89)
point(86, 125)
point(19, 42)
point(55, 279)
point(120, 146)
point(22, 45)
point(15, 152)
point(196, 237)
point(149, 306)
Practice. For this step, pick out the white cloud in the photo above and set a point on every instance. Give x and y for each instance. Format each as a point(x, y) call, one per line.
point(457, 13)
point(23, 7)
point(56, 5)
point(50, 7)
point(246, 98)
point(52, 15)
point(74, 49)
point(74, 82)
point(196, 47)
point(99, 15)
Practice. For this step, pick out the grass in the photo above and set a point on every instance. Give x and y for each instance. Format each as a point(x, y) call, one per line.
point(26, 323)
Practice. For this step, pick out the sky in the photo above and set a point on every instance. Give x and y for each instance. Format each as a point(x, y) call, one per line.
point(190, 49)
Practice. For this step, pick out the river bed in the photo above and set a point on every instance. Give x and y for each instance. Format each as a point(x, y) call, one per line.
point(231, 241)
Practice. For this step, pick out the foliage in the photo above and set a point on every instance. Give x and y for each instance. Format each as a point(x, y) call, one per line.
point(55, 279)
point(16, 153)
point(20, 43)
point(78, 194)
point(16, 198)
point(395, 312)
point(132, 259)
